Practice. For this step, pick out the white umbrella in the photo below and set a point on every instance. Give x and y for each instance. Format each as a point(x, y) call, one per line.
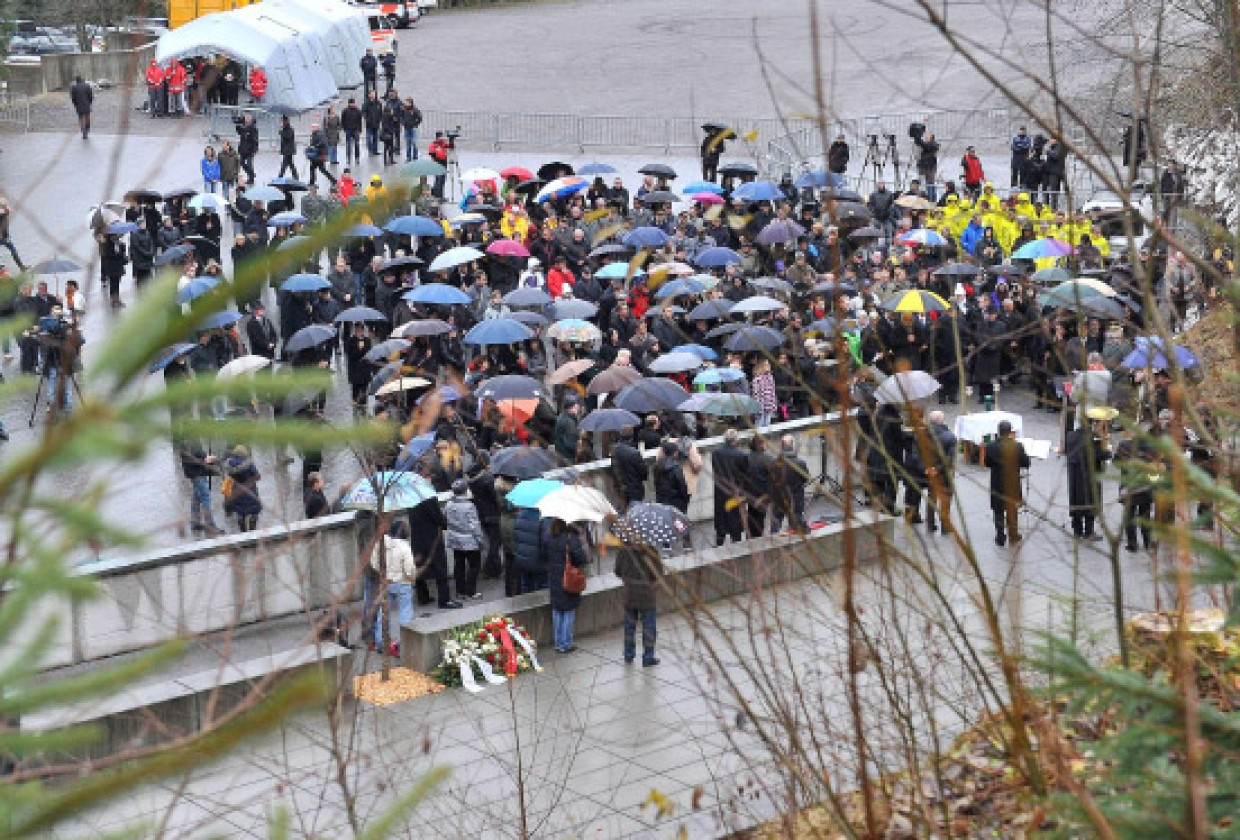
point(453, 257)
point(576, 503)
point(676, 269)
point(242, 366)
point(100, 217)
point(758, 303)
point(479, 173)
point(212, 201)
point(676, 362)
point(405, 383)
point(905, 387)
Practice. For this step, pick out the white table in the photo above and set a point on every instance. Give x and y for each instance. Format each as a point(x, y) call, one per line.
point(975, 427)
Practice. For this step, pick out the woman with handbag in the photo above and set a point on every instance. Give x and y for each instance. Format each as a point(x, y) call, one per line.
point(564, 554)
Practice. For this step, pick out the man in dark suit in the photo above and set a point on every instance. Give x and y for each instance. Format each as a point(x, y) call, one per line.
point(1086, 450)
point(729, 465)
point(790, 477)
point(1006, 457)
point(261, 333)
point(629, 468)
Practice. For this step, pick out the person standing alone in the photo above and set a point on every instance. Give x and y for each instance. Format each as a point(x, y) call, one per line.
point(82, 97)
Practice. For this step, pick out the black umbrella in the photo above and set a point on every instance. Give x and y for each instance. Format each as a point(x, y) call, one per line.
point(381, 351)
point(307, 337)
point(522, 462)
point(531, 186)
point(711, 309)
point(722, 330)
point(718, 128)
point(834, 287)
point(359, 315)
point(175, 254)
point(957, 270)
point(609, 420)
point(491, 212)
point(288, 185)
point(399, 264)
point(428, 326)
point(861, 234)
point(844, 194)
point(649, 395)
point(610, 249)
point(144, 196)
point(754, 338)
point(660, 197)
point(846, 210)
point(554, 169)
point(530, 319)
point(511, 387)
point(652, 524)
point(180, 192)
point(659, 170)
point(1006, 270)
point(738, 168)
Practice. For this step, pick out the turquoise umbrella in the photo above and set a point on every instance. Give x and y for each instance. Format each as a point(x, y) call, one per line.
point(529, 493)
point(400, 491)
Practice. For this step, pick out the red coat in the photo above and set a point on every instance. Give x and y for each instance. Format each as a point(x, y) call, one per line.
point(558, 281)
point(154, 75)
point(258, 83)
point(347, 188)
point(177, 78)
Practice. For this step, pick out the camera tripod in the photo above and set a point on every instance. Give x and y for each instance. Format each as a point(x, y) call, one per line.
point(70, 381)
point(454, 172)
point(877, 155)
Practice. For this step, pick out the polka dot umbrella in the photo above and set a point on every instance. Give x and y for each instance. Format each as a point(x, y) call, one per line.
point(653, 524)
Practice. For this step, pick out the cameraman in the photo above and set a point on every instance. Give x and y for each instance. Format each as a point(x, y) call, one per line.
point(58, 340)
point(438, 151)
point(927, 159)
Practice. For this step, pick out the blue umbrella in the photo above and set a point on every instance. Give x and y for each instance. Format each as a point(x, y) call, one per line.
point(596, 169)
point(286, 219)
point(414, 450)
point(695, 187)
point(616, 271)
point(498, 331)
point(703, 352)
point(530, 319)
point(758, 191)
point(446, 394)
point(711, 310)
point(292, 242)
point(414, 226)
point(363, 230)
point(1151, 352)
point(645, 237)
point(572, 308)
point(57, 266)
point(819, 179)
point(121, 228)
point(220, 320)
point(754, 338)
point(681, 286)
point(304, 283)
point(717, 376)
point(648, 395)
point(527, 296)
point(196, 288)
point(529, 493)
point(437, 293)
point(826, 326)
point(717, 257)
point(169, 355)
point(609, 420)
point(177, 253)
point(359, 314)
point(400, 491)
point(264, 194)
point(307, 337)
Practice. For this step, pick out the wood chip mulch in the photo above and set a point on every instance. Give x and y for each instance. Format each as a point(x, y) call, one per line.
point(403, 685)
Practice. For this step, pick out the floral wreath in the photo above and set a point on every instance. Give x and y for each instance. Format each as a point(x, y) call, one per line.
point(497, 647)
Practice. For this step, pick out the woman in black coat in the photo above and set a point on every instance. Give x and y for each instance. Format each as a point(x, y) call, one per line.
point(112, 261)
point(288, 147)
point(562, 543)
point(356, 347)
point(426, 527)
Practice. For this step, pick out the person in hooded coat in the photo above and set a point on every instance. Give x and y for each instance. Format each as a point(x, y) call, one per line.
point(562, 543)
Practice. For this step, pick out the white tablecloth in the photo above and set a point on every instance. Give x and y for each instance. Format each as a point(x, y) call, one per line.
point(975, 427)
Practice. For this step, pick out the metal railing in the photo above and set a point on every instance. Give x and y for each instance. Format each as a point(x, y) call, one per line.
point(15, 110)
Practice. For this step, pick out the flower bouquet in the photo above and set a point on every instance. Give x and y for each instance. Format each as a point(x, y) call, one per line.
point(496, 647)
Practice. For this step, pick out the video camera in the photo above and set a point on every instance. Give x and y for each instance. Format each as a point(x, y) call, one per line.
point(452, 135)
point(916, 130)
point(53, 327)
point(1039, 143)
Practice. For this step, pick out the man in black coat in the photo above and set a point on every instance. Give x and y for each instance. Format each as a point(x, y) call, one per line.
point(247, 146)
point(1086, 451)
point(426, 527)
point(370, 73)
point(82, 97)
point(758, 485)
point(351, 125)
point(1006, 457)
point(486, 500)
point(790, 476)
point(372, 117)
point(729, 465)
point(629, 468)
point(261, 333)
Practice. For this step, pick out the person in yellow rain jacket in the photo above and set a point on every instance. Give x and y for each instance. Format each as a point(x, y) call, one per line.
point(515, 224)
point(375, 190)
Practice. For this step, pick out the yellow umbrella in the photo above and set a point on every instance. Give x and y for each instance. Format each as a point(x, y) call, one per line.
point(916, 300)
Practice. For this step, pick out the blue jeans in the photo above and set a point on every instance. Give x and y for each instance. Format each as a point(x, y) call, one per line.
point(372, 140)
point(649, 634)
point(352, 147)
point(411, 144)
point(370, 591)
point(209, 186)
point(200, 502)
point(331, 155)
point(400, 611)
point(562, 622)
point(155, 100)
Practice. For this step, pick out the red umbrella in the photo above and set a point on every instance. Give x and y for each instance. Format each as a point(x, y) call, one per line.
point(507, 248)
point(518, 172)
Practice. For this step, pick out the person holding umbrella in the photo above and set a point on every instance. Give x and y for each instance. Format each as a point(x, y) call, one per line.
point(198, 466)
point(563, 544)
point(112, 261)
point(640, 569)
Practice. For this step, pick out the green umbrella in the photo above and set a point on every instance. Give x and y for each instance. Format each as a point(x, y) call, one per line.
point(422, 168)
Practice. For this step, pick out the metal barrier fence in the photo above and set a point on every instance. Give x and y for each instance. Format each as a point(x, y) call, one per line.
point(224, 119)
point(15, 110)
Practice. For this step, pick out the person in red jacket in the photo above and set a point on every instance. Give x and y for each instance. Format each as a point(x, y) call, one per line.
point(347, 187)
point(258, 83)
point(971, 165)
point(155, 89)
point(559, 278)
point(177, 79)
point(439, 151)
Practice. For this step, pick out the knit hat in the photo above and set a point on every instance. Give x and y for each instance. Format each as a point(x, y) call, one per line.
point(460, 487)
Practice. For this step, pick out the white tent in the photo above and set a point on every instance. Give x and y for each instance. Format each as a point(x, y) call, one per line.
point(294, 79)
point(302, 40)
point(344, 28)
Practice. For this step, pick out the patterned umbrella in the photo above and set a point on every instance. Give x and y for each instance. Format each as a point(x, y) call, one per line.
point(575, 330)
point(728, 405)
point(399, 490)
point(1041, 248)
point(652, 524)
point(905, 387)
point(915, 300)
point(922, 236)
point(511, 387)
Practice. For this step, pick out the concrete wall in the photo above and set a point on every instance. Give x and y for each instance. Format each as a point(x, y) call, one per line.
point(212, 585)
point(123, 67)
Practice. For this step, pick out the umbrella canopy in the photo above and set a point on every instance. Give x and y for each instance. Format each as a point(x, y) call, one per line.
point(480, 173)
point(169, 355)
point(384, 349)
point(652, 524)
point(576, 503)
point(613, 379)
point(498, 331)
point(573, 308)
point(287, 184)
point(748, 339)
point(645, 237)
point(759, 191)
point(362, 230)
point(220, 320)
point(554, 169)
point(958, 270)
point(399, 264)
point(175, 254)
point(507, 248)
point(609, 420)
point(359, 315)
point(844, 194)
point(915, 202)
point(265, 194)
point(681, 286)
point(511, 387)
point(304, 283)
point(242, 365)
point(661, 197)
point(1040, 248)
point(1102, 307)
point(286, 219)
point(522, 462)
point(825, 326)
point(818, 179)
point(905, 387)
point(707, 198)
point(772, 284)
point(56, 266)
point(717, 257)
point(531, 186)
point(835, 287)
point(1054, 274)
point(617, 271)
point(596, 169)
point(758, 303)
point(727, 405)
point(647, 395)
point(307, 337)
point(529, 493)
point(861, 234)
point(694, 187)
point(144, 196)
point(120, 228)
point(292, 242)
point(915, 300)
point(468, 219)
point(398, 490)
point(711, 309)
point(1151, 353)
point(530, 319)
point(659, 170)
point(569, 370)
point(422, 168)
point(413, 450)
point(427, 326)
point(610, 249)
point(701, 351)
point(440, 294)
point(676, 362)
point(717, 376)
point(851, 211)
point(738, 168)
point(196, 288)
point(453, 257)
point(562, 187)
point(527, 296)
point(403, 385)
point(414, 226)
point(780, 230)
point(723, 330)
point(180, 192)
point(575, 330)
point(922, 236)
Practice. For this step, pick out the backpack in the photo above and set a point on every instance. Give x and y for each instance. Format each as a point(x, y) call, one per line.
point(227, 487)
